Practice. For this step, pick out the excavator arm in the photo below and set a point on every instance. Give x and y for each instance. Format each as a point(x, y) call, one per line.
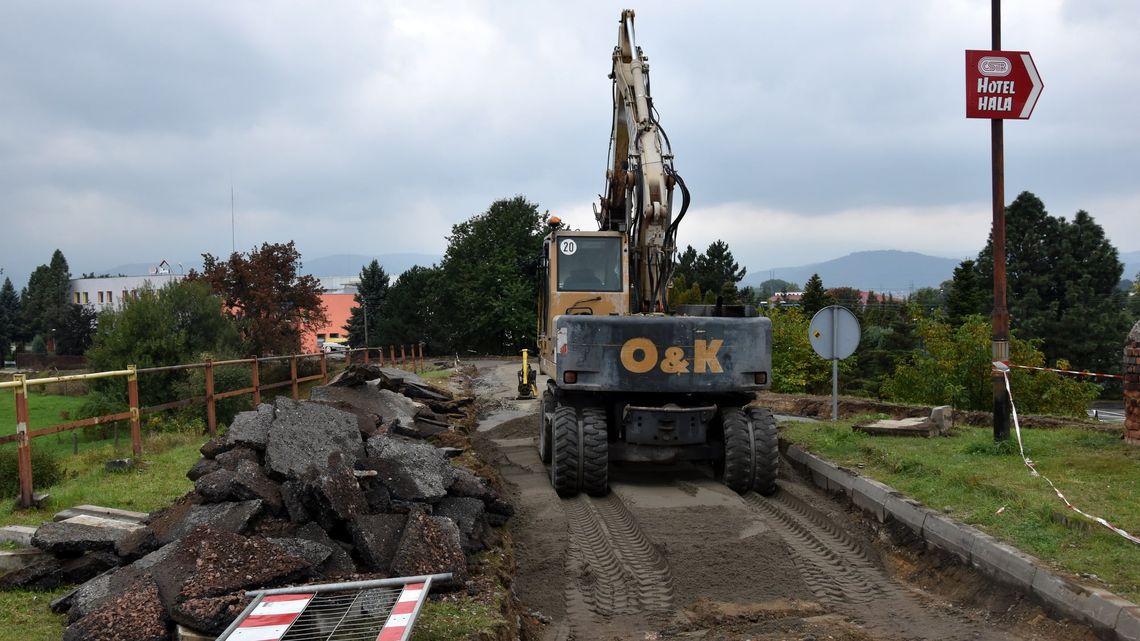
point(640, 178)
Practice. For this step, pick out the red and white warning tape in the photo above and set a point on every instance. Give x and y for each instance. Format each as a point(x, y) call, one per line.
point(1068, 371)
point(1004, 369)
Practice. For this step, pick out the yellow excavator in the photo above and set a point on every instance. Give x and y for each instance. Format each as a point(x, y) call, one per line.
point(629, 378)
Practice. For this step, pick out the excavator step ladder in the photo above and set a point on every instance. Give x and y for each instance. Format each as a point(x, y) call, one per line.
point(379, 610)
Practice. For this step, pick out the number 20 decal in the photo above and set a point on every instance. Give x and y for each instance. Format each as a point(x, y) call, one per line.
point(568, 246)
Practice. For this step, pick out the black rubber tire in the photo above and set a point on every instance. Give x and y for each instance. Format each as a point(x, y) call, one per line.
point(544, 430)
point(595, 452)
point(766, 450)
point(737, 474)
point(565, 467)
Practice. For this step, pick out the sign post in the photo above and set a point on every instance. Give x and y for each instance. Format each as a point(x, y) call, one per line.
point(834, 335)
point(1000, 85)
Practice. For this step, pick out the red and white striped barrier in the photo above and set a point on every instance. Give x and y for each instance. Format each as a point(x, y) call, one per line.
point(272, 616)
point(1004, 369)
point(396, 627)
point(1067, 371)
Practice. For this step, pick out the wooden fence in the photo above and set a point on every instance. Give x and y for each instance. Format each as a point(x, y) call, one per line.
point(21, 384)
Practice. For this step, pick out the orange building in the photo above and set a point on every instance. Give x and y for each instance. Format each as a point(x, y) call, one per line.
point(338, 309)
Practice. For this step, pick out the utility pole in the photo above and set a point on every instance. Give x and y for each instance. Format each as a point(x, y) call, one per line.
point(1001, 310)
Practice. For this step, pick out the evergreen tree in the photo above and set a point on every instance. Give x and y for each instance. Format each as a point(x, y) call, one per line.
point(716, 267)
point(9, 318)
point(409, 310)
point(1061, 283)
point(815, 297)
point(967, 294)
point(371, 295)
point(44, 303)
point(686, 265)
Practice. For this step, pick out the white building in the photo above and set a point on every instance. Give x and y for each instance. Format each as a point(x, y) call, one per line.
point(108, 292)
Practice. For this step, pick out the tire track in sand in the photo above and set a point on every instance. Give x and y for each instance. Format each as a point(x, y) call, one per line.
point(840, 571)
point(615, 568)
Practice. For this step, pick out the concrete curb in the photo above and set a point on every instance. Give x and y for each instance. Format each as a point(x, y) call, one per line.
point(1106, 613)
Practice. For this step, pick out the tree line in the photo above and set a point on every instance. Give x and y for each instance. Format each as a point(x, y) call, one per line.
point(931, 346)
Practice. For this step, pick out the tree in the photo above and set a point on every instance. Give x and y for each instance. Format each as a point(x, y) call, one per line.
point(75, 331)
point(953, 367)
point(928, 300)
point(408, 315)
point(44, 303)
point(715, 268)
point(848, 297)
point(686, 265)
point(1061, 284)
point(815, 297)
point(773, 286)
point(154, 328)
point(366, 318)
point(9, 318)
point(796, 368)
point(263, 294)
point(486, 292)
point(967, 294)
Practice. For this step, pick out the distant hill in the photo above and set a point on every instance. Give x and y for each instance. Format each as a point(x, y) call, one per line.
point(1131, 262)
point(881, 271)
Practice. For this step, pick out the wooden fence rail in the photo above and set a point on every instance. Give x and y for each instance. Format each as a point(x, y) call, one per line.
point(21, 384)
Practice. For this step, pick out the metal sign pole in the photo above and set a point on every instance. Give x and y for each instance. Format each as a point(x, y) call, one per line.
point(834, 364)
point(1000, 347)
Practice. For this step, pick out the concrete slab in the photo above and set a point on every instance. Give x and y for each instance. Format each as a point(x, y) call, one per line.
point(104, 512)
point(1060, 594)
point(98, 521)
point(19, 534)
point(1128, 624)
point(1005, 563)
point(17, 559)
point(1102, 608)
point(906, 511)
point(870, 496)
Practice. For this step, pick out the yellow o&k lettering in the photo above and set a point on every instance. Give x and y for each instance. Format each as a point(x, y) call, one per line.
point(648, 358)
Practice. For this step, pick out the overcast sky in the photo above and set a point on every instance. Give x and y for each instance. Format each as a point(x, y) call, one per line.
point(805, 130)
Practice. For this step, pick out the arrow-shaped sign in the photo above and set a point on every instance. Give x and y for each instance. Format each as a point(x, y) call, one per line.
point(1001, 84)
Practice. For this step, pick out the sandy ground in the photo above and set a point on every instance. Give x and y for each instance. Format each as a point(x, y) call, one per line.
point(671, 553)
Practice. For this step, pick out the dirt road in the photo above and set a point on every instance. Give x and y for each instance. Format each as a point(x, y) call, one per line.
point(671, 553)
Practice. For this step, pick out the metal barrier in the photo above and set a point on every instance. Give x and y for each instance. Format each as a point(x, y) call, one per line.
point(24, 434)
point(416, 359)
point(377, 610)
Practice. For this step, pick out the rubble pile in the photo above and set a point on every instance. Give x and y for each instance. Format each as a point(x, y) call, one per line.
point(342, 487)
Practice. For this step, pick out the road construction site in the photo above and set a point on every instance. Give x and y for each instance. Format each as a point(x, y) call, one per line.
point(670, 552)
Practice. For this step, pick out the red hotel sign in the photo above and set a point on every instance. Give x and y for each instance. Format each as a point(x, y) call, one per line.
point(1001, 84)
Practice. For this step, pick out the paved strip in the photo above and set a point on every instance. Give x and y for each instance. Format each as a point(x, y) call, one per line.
point(1109, 614)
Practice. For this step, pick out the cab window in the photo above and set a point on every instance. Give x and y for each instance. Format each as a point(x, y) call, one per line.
point(589, 264)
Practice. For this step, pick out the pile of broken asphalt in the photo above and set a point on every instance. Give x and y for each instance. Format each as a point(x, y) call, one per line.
point(340, 488)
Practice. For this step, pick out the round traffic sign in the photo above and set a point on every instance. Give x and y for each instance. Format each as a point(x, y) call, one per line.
point(834, 332)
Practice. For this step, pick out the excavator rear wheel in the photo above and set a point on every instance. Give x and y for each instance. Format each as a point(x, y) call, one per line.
point(751, 450)
point(545, 438)
point(565, 466)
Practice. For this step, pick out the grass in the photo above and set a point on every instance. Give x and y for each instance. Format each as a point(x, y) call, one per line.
point(448, 620)
point(24, 616)
point(986, 485)
point(43, 409)
point(158, 478)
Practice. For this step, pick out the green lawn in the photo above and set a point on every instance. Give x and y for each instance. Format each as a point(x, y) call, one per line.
point(988, 486)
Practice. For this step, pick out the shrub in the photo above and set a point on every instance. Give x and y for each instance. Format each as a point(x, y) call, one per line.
point(46, 470)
